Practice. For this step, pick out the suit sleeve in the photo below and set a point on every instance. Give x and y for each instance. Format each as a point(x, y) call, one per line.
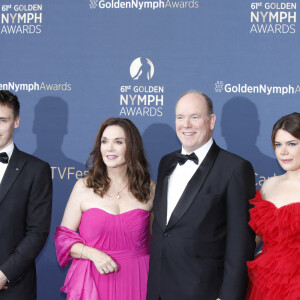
point(240, 241)
point(37, 225)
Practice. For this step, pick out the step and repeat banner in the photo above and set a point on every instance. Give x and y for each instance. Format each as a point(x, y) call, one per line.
point(75, 63)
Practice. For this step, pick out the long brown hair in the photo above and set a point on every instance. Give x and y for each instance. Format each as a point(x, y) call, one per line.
point(289, 123)
point(137, 172)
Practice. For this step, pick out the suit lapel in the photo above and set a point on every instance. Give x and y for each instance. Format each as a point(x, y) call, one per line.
point(194, 186)
point(163, 203)
point(161, 194)
point(15, 165)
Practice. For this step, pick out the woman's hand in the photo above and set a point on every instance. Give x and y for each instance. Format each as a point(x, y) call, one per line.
point(103, 262)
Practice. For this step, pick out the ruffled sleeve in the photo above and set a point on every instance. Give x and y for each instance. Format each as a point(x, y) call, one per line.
point(255, 215)
point(64, 239)
point(262, 217)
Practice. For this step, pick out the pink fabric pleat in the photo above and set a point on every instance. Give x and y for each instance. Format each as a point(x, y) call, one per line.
point(125, 238)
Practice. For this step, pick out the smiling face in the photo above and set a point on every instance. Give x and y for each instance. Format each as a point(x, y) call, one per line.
point(287, 150)
point(194, 127)
point(8, 123)
point(113, 146)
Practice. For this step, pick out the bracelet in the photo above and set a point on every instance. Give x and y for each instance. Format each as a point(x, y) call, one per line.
point(81, 251)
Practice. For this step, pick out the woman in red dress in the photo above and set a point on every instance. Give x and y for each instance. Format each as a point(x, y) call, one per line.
point(275, 273)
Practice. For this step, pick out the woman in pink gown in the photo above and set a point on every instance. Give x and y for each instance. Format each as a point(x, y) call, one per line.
point(111, 208)
point(275, 273)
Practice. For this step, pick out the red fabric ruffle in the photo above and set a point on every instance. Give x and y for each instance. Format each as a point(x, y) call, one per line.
point(275, 273)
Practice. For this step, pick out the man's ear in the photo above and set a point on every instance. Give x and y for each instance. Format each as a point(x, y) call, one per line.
point(17, 121)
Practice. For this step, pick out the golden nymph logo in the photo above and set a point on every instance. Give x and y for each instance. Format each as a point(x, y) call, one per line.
point(273, 17)
point(21, 19)
point(139, 97)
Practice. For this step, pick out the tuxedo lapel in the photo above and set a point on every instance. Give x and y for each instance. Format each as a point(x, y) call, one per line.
point(161, 194)
point(163, 203)
point(15, 165)
point(194, 186)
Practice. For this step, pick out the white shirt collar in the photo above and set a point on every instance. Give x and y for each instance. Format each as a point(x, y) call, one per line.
point(202, 151)
point(9, 150)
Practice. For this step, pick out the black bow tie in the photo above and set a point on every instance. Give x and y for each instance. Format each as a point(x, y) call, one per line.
point(182, 158)
point(4, 157)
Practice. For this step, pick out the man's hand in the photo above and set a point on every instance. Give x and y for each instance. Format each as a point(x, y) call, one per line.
point(3, 281)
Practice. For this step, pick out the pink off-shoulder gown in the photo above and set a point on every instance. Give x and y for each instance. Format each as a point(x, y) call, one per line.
point(125, 237)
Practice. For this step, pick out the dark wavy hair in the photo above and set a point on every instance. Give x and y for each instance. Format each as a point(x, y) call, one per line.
point(289, 123)
point(138, 175)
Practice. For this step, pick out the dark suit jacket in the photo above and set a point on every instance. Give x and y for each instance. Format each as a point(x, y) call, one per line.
point(25, 213)
point(201, 254)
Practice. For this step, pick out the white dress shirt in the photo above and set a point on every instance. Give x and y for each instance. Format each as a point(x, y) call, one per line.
point(181, 175)
point(9, 150)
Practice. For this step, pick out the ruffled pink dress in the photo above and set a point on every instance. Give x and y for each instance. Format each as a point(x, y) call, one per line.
point(124, 237)
point(275, 273)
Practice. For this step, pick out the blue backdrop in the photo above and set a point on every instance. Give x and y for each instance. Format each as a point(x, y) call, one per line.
point(75, 63)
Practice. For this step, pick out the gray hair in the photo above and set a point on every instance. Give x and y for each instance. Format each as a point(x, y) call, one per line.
point(209, 104)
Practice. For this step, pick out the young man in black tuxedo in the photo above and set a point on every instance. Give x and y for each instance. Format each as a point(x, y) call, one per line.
point(25, 208)
point(200, 235)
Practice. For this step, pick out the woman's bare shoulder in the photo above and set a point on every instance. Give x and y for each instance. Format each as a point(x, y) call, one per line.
point(270, 184)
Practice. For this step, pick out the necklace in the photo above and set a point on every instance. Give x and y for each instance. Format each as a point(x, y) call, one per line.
point(118, 194)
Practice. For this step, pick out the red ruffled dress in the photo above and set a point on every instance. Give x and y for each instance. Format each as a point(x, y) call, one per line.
point(275, 273)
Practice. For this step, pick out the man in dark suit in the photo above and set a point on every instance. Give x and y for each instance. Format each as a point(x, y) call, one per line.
point(200, 234)
point(25, 208)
